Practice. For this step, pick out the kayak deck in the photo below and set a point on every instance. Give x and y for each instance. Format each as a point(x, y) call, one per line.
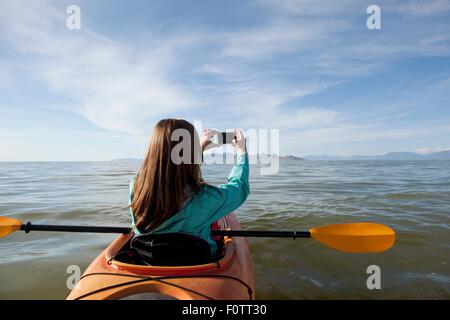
point(229, 278)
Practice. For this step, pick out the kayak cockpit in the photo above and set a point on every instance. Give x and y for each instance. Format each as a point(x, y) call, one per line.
point(118, 256)
point(168, 249)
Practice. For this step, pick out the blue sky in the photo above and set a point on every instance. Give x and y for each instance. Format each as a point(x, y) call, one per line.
point(309, 68)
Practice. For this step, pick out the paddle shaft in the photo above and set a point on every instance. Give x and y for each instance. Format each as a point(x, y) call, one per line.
point(230, 233)
point(268, 234)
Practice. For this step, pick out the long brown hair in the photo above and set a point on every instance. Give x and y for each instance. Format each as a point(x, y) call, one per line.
point(162, 186)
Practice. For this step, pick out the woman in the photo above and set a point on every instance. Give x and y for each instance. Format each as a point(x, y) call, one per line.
point(169, 196)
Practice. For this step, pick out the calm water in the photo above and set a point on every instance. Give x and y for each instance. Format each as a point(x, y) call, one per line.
point(412, 197)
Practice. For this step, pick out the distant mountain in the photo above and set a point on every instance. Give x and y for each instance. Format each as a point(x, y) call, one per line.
point(289, 157)
point(443, 155)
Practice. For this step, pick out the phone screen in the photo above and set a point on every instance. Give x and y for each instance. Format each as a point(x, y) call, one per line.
point(226, 137)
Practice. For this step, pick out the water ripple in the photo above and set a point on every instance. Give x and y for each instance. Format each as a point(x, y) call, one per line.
point(412, 197)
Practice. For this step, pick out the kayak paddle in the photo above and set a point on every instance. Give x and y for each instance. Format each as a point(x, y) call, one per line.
point(361, 237)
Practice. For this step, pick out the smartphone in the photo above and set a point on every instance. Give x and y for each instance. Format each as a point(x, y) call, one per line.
point(226, 137)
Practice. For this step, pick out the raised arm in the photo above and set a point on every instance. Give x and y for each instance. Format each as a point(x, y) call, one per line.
point(229, 196)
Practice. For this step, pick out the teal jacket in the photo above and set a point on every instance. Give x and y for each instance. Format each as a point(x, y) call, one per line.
point(208, 205)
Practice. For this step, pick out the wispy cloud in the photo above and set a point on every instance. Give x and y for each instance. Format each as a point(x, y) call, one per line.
point(280, 36)
point(108, 83)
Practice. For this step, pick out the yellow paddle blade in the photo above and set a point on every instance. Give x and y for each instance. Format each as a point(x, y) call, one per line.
point(362, 237)
point(8, 226)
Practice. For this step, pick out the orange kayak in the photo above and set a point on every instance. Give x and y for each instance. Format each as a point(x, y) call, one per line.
point(229, 278)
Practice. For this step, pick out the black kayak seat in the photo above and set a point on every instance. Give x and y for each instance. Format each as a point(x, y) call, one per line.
point(170, 249)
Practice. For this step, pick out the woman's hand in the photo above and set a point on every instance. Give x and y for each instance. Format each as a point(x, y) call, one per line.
point(239, 141)
point(207, 143)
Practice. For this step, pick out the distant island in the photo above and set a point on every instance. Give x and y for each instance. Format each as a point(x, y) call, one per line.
point(253, 157)
point(442, 155)
point(289, 157)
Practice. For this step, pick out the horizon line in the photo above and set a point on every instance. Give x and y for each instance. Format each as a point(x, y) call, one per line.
point(251, 154)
